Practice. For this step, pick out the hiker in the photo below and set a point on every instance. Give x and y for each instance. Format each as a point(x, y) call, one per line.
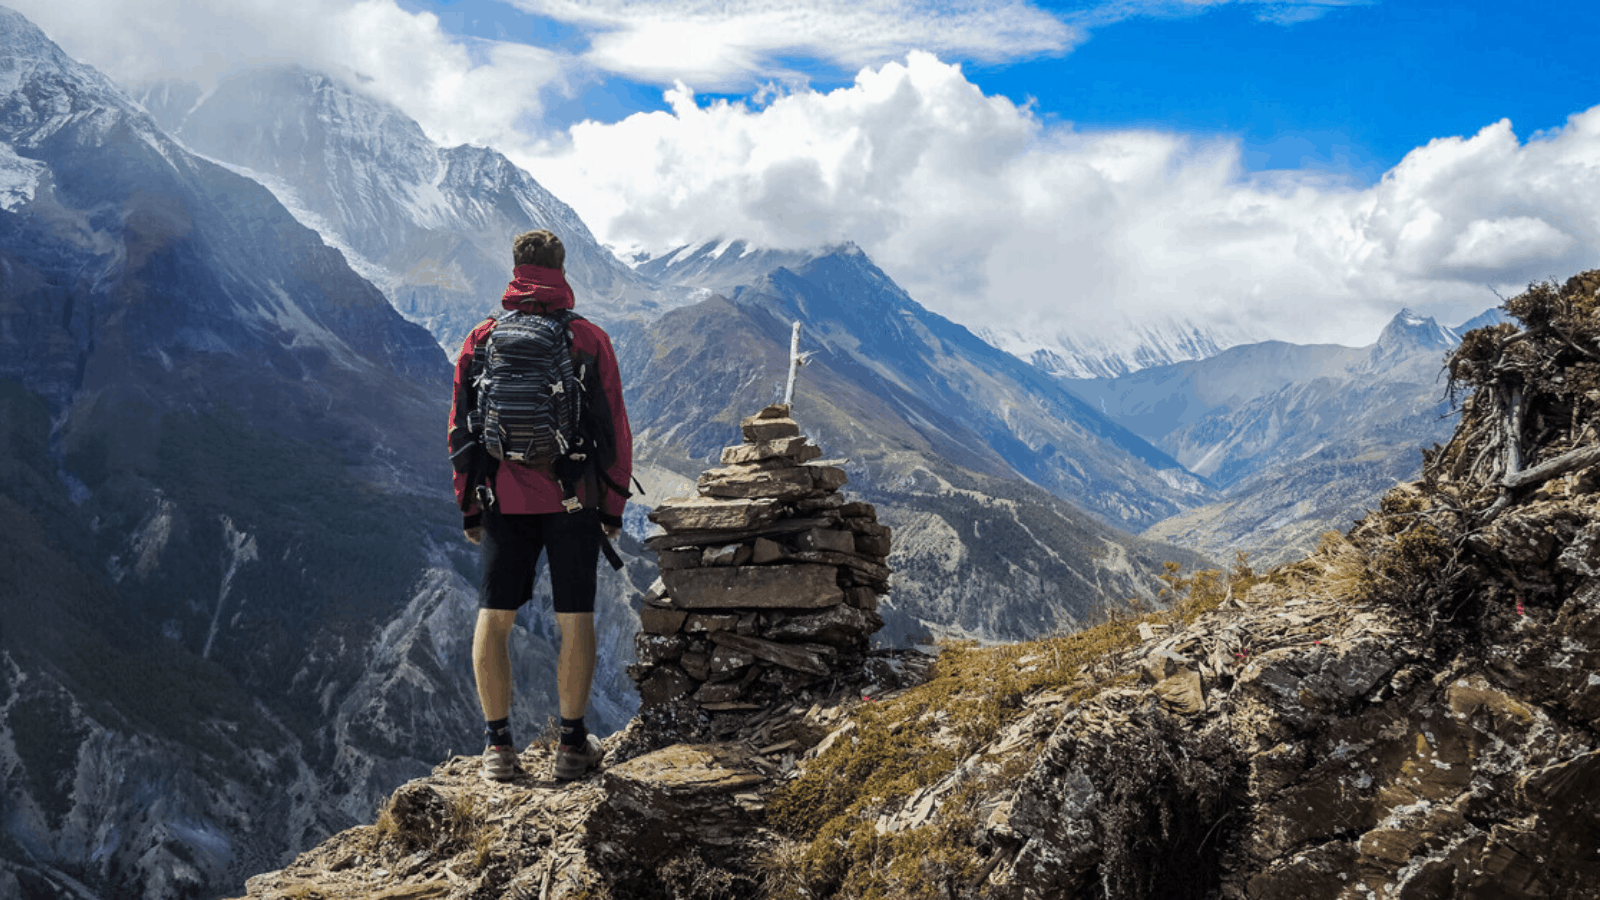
point(517, 502)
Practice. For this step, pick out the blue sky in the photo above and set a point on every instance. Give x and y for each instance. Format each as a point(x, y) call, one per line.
point(1358, 86)
point(1349, 88)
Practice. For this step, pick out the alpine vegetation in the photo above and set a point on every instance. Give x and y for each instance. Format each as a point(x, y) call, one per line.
point(1408, 711)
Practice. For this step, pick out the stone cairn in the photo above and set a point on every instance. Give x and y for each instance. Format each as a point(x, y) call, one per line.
point(769, 579)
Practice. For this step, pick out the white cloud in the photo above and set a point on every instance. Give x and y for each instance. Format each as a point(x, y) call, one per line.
point(733, 45)
point(1493, 244)
point(972, 202)
point(976, 206)
point(459, 90)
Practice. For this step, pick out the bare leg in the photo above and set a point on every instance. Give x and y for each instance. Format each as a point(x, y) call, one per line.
point(575, 668)
point(491, 661)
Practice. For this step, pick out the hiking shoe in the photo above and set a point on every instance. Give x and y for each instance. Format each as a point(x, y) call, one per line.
point(500, 763)
point(575, 762)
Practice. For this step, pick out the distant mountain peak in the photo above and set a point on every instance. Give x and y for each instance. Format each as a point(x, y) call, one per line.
point(46, 90)
point(723, 248)
point(24, 40)
point(1109, 353)
point(1410, 332)
point(431, 225)
point(723, 263)
point(1491, 316)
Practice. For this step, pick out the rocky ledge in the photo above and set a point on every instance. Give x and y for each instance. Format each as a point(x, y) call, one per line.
point(1284, 745)
point(1411, 712)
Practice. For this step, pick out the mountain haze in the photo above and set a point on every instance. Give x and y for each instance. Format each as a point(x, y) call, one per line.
point(429, 225)
point(1298, 438)
point(1113, 352)
point(936, 426)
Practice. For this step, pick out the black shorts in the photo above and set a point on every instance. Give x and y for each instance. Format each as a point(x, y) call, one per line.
point(570, 543)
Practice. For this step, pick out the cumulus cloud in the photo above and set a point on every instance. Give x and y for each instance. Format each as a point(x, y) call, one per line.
point(459, 90)
point(975, 205)
point(1491, 245)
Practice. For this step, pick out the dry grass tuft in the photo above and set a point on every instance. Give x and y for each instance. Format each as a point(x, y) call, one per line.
point(917, 739)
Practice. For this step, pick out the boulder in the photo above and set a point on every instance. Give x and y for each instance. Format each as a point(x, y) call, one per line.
point(756, 430)
point(707, 514)
point(726, 661)
point(827, 478)
point(836, 625)
point(655, 649)
point(658, 806)
point(758, 587)
point(796, 449)
point(826, 539)
point(787, 483)
point(704, 623)
point(766, 550)
point(700, 538)
point(653, 620)
point(790, 656)
point(665, 684)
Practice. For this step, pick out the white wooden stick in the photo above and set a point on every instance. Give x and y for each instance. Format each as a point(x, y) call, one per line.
point(794, 364)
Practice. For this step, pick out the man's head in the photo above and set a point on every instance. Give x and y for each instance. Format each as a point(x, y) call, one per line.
point(538, 248)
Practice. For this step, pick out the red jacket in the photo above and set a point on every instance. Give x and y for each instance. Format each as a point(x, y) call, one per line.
point(519, 489)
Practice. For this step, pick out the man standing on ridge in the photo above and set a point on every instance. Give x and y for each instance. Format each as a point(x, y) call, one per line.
point(517, 506)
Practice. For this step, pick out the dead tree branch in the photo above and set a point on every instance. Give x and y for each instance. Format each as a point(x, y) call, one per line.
point(1570, 461)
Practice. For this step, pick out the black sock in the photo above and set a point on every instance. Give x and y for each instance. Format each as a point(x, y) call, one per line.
point(573, 732)
point(498, 733)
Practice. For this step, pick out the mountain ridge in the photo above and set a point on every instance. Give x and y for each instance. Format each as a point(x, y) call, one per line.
point(221, 477)
point(431, 224)
point(866, 324)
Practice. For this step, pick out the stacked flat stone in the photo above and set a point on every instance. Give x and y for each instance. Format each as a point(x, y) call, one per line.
point(770, 578)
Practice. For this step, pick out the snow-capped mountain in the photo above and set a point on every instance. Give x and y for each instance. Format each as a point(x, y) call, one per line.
point(979, 406)
point(1407, 335)
point(1111, 352)
point(1156, 401)
point(937, 427)
point(1493, 316)
point(723, 265)
point(235, 607)
point(430, 225)
point(1299, 439)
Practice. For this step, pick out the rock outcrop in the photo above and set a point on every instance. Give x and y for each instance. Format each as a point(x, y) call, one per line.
point(770, 580)
point(1410, 712)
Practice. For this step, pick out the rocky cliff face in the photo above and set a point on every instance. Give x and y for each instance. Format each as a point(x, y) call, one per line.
point(1408, 712)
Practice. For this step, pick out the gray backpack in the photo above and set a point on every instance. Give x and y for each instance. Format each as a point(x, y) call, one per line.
point(530, 395)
